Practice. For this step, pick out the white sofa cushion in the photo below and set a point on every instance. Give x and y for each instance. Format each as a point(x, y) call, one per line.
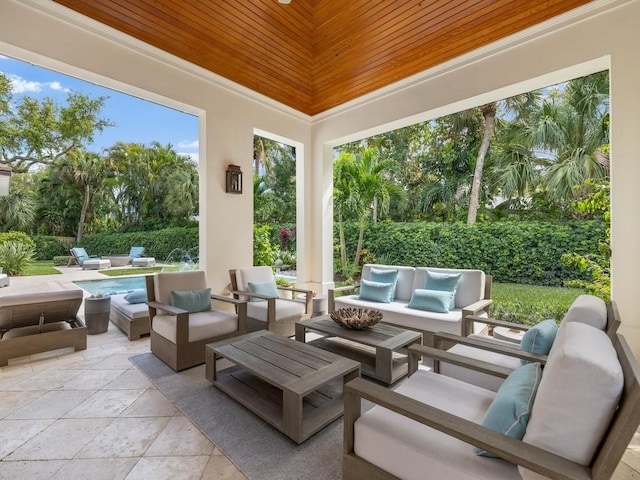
point(398, 313)
point(578, 395)
point(130, 310)
point(408, 449)
point(404, 281)
point(165, 283)
point(470, 287)
point(201, 325)
point(588, 309)
point(253, 275)
point(284, 309)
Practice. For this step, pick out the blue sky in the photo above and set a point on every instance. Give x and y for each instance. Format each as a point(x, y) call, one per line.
point(136, 120)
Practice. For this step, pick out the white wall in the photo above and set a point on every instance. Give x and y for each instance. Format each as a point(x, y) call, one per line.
point(587, 40)
point(602, 34)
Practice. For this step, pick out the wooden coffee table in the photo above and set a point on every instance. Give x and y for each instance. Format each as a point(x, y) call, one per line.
point(378, 348)
point(294, 387)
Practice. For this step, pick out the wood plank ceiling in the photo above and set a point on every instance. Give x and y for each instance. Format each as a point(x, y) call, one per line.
point(313, 55)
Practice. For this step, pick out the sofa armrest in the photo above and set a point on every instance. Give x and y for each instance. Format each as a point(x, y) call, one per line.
point(497, 323)
point(443, 340)
point(308, 296)
point(471, 311)
point(512, 450)
point(332, 294)
point(241, 310)
point(415, 352)
point(171, 310)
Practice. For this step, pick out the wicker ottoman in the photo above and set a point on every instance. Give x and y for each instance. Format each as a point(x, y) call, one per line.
point(96, 264)
point(143, 262)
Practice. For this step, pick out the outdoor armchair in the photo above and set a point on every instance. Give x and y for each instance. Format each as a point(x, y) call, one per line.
point(580, 421)
point(182, 320)
point(265, 309)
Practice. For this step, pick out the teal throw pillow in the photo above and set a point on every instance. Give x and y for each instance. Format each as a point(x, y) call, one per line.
point(382, 275)
point(193, 301)
point(431, 300)
point(376, 291)
point(539, 338)
point(137, 296)
point(510, 410)
point(445, 282)
point(268, 288)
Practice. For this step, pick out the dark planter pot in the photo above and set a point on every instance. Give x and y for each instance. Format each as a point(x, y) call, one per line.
point(96, 314)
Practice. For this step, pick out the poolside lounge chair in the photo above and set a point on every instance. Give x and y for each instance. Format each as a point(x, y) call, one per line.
point(80, 255)
point(135, 252)
point(88, 262)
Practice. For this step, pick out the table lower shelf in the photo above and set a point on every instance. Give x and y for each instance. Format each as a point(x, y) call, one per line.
point(365, 355)
point(319, 408)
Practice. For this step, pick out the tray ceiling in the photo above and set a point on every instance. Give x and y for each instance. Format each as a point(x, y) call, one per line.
point(313, 55)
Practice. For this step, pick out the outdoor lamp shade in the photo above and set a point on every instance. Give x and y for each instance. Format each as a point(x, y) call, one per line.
point(234, 179)
point(5, 178)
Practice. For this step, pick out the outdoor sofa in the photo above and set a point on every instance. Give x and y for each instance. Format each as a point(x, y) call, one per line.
point(470, 296)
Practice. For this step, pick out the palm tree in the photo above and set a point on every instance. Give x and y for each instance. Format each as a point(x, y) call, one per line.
point(362, 189)
point(18, 209)
point(87, 170)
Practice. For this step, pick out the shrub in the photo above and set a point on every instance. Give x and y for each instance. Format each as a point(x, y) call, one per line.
point(15, 256)
point(263, 252)
point(176, 243)
point(61, 260)
point(18, 237)
point(48, 247)
point(523, 252)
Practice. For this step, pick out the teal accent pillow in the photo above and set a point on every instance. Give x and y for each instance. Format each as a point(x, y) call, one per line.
point(539, 338)
point(382, 275)
point(431, 300)
point(268, 288)
point(193, 301)
point(376, 291)
point(137, 296)
point(445, 282)
point(510, 410)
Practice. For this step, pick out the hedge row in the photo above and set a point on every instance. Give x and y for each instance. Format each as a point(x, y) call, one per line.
point(167, 244)
point(524, 252)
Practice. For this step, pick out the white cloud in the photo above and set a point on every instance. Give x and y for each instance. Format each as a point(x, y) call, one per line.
point(188, 144)
point(20, 85)
point(194, 156)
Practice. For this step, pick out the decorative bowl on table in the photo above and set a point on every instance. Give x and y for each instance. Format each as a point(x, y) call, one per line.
point(356, 318)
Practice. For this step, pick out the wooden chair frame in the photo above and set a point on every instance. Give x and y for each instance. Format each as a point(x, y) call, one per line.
point(621, 429)
point(185, 354)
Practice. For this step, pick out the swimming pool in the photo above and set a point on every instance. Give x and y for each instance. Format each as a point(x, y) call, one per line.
point(112, 285)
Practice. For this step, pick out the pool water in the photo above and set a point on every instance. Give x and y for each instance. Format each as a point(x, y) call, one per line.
point(112, 285)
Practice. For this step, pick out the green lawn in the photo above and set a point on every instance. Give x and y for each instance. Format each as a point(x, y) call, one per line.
point(40, 267)
point(530, 304)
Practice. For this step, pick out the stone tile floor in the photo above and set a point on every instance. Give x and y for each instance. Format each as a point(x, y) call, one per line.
point(91, 414)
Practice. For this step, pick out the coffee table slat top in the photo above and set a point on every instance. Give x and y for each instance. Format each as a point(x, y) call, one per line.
point(379, 335)
point(276, 365)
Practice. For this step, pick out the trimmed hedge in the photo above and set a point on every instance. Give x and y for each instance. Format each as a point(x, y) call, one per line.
point(523, 252)
point(160, 244)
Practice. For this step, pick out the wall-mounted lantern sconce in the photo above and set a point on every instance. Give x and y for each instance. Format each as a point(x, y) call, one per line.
point(5, 179)
point(234, 179)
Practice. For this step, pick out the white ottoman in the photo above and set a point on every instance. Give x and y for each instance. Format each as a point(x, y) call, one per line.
point(4, 280)
point(144, 262)
point(96, 264)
